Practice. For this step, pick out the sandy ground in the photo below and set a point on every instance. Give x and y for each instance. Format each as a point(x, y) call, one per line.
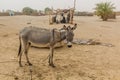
point(81, 62)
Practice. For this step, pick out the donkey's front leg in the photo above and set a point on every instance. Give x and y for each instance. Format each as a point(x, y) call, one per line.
point(51, 57)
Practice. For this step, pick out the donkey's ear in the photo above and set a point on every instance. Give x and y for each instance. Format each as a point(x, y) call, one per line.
point(64, 27)
point(74, 27)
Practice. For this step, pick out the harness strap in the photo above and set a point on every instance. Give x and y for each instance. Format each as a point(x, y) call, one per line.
point(61, 36)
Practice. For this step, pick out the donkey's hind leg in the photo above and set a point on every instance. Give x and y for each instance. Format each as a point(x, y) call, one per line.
point(26, 52)
point(20, 64)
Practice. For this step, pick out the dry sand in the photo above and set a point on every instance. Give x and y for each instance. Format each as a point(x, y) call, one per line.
point(81, 62)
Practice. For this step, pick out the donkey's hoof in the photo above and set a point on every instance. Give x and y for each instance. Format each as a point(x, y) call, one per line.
point(52, 65)
point(30, 64)
point(21, 65)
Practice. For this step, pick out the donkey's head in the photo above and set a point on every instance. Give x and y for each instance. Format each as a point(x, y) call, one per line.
point(69, 35)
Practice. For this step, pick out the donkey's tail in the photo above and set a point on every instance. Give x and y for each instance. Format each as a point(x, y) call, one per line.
point(20, 46)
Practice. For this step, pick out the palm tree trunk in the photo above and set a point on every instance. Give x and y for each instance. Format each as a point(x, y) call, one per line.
point(105, 18)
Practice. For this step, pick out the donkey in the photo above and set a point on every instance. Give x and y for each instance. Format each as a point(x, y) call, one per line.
point(41, 36)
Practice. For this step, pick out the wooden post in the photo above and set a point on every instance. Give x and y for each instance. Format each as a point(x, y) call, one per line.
point(72, 13)
point(50, 17)
point(71, 20)
point(74, 4)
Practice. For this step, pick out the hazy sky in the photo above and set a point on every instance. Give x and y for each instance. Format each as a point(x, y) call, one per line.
point(81, 5)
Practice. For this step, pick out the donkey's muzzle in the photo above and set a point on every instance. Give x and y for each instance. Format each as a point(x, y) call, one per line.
point(69, 46)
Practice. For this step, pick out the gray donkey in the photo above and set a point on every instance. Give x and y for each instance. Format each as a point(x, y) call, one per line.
point(41, 36)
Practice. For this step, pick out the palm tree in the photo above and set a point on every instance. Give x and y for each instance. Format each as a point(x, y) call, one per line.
point(104, 10)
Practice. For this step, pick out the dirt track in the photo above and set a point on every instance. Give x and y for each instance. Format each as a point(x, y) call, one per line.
point(81, 62)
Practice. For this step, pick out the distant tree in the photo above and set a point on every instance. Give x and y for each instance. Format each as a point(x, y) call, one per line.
point(27, 10)
point(104, 10)
point(35, 13)
point(47, 10)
